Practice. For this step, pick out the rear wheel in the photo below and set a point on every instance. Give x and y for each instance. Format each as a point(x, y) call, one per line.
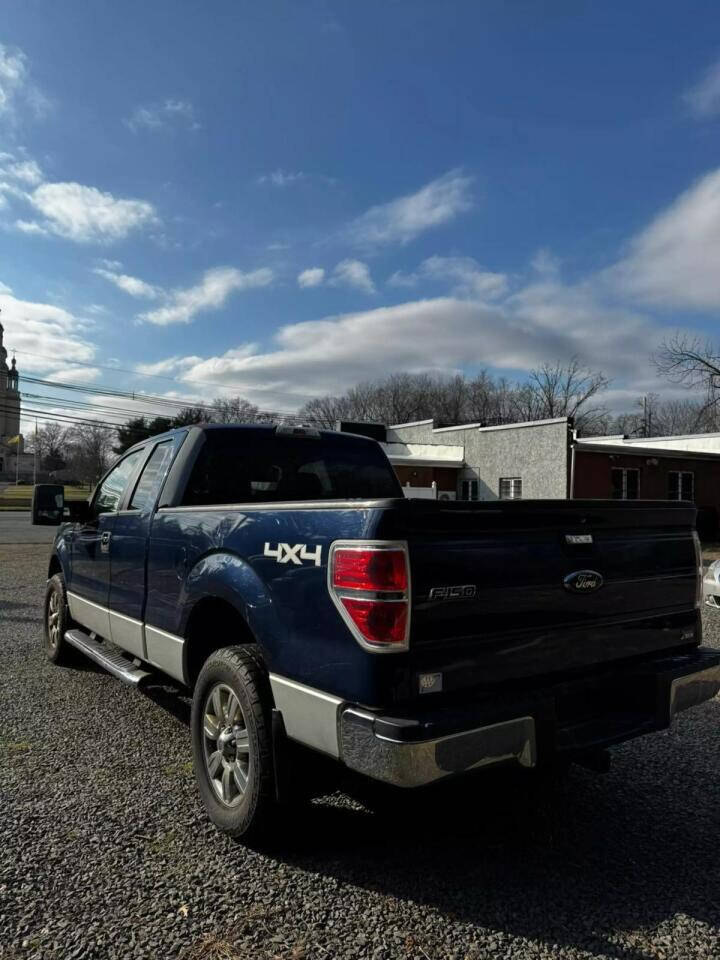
point(57, 621)
point(232, 743)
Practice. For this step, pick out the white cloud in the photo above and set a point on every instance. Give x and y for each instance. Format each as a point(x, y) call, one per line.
point(313, 277)
point(703, 99)
point(22, 171)
point(282, 178)
point(466, 277)
point(404, 219)
point(70, 210)
point(674, 261)
point(212, 292)
point(16, 175)
point(353, 273)
point(545, 263)
point(13, 73)
point(162, 116)
point(171, 365)
point(31, 227)
point(543, 321)
point(44, 331)
point(75, 375)
point(15, 88)
point(86, 214)
point(132, 285)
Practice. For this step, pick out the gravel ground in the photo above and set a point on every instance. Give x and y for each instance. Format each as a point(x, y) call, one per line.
point(105, 852)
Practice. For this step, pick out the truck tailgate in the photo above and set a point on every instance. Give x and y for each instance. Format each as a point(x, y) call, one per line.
point(491, 580)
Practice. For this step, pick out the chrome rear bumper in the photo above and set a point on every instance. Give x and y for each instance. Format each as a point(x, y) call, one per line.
point(693, 689)
point(416, 764)
point(386, 749)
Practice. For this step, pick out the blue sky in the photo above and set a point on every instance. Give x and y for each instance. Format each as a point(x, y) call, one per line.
point(286, 198)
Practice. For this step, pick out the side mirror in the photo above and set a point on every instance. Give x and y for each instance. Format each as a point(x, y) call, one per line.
point(48, 504)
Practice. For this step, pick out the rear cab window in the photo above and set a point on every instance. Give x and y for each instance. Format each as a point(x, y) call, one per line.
point(239, 466)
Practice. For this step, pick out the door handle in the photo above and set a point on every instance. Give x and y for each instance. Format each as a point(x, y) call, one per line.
point(105, 538)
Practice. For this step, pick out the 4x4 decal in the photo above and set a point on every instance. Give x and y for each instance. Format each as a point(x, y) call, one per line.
point(295, 553)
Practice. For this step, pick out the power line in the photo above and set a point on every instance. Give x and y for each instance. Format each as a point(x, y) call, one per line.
point(84, 404)
point(153, 399)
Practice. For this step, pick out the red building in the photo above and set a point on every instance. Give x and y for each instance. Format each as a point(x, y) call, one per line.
point(654, 469)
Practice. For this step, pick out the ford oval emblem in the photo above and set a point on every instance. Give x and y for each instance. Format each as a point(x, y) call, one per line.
point(583, 581)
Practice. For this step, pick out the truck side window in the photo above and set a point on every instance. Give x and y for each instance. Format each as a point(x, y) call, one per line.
point(110, 491)
point(148, 486)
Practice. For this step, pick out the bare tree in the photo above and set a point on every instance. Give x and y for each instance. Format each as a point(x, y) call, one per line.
point(89, 451)
point(557, 390)
point(235, 410)
point(553, 390)
point(448, 399)
point(325, 411)
point(683, 416)
point(49, 442)
point(694, 363)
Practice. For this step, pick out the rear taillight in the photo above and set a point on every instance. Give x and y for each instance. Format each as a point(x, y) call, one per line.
point(369, 582)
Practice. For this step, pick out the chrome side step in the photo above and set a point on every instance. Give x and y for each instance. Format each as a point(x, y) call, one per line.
point(113, 661)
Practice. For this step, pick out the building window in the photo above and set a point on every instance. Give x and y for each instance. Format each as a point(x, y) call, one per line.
point(469, 490)
point(625, 483)
point(681, 485)
point(511, 488)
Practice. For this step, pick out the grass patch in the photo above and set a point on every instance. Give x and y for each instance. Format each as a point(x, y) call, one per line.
point(14, 747)
point(20, 497)
point(174, 770)
point(163, 845)
point(212, 947)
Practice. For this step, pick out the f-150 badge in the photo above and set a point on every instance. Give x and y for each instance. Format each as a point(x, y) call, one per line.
point(293, 553)
point(465, 592)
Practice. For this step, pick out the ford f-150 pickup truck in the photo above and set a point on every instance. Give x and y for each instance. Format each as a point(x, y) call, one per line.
point(280, 574)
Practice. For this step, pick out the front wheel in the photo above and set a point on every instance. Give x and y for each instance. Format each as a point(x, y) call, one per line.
point(232, 743)
point(57, 621)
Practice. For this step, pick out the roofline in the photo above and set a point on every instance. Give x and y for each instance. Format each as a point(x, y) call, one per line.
point(459, 426)
point(503, 426)
point(650, 452)
point(422, 462)
point(679, 436)
point(412, 423)
point(419, 443)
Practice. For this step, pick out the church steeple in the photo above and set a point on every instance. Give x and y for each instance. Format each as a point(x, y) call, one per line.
point(9, 394)
point(3, 351)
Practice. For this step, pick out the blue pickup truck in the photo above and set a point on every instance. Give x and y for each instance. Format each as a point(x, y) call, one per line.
point(281, 576)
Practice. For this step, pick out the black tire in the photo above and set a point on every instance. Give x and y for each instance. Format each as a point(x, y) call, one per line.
point(57, 650)
point(246, 815)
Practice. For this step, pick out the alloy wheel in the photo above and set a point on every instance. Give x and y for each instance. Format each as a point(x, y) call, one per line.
point(53, 620)
point(226, 744)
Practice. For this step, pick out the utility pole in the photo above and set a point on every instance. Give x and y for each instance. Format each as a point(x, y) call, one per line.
point(35, 460)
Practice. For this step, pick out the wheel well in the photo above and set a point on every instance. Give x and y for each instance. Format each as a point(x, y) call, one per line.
point(55, 566)
point(213, 624)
